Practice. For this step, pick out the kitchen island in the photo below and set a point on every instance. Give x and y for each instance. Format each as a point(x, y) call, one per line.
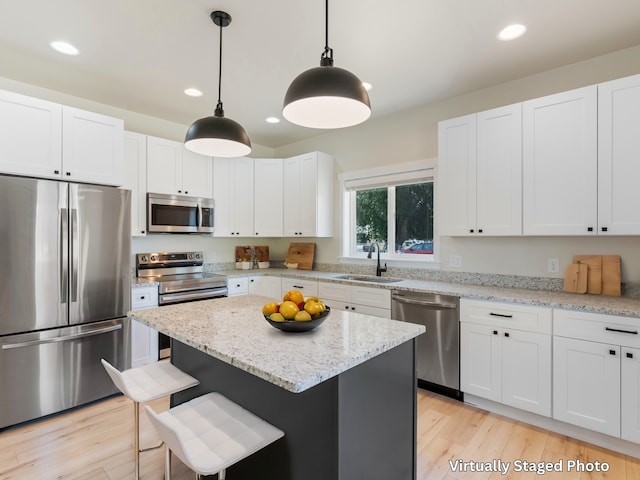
point(343, 393)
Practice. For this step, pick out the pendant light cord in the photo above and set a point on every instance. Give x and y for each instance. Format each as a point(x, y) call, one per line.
point(326, 59)
point(219, 111)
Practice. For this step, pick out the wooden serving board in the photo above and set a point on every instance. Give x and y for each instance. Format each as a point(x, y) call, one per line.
point(611, 275)
point(262, 253)
point(594, 271)
point(575, 278)
point(302, 254)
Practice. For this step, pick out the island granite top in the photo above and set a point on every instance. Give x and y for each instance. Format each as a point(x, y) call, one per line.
point(233, 330)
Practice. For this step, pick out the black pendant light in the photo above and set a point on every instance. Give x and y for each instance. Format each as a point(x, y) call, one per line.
point(326, 96)
point(218, 136)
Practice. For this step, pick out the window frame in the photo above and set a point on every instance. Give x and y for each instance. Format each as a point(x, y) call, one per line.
point(392, 175)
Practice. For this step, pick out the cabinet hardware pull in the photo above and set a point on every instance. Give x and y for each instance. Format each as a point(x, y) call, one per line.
point(141, 297)
point(500, 315)
point(589, 229)
point(479, 230)
point(471, 230)
point(629, 355)
point(631, 332)
point(495, 332)
point(297, 286)
point(612, 352)
point(605, 229)
point(506, 334)
point(56, 172)
point(68, 174)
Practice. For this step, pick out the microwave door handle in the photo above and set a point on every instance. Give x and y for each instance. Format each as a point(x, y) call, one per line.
point(199, 216)
point(64, 254)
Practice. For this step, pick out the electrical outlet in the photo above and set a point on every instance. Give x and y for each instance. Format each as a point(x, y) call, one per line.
point(553, 265)
point(455, 261)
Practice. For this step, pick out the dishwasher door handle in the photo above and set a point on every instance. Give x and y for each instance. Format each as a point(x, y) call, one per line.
point(424, 303)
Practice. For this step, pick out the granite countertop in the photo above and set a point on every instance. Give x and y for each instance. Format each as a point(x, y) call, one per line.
point(611, 305)
point(233, 330)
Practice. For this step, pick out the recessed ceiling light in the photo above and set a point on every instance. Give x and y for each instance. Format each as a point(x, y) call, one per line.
point(193, 92)
point(512, 32)
point(367, 86)
point(272, 120)
point(64, 47)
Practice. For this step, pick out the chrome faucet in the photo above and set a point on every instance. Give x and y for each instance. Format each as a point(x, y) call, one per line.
point(379, 269)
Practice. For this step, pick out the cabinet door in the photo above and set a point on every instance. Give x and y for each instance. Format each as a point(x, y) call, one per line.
point(164, 166)
point(480, 361)
point(457, 176)
point(223, 187)
point(92, 147)
point(266, 286)
point(618, 154)
point(309, 288)
point(268, 197)
point(243, 196)
point(144, 339)
point(586, 384)
point(526, 371)
point(291, 197)
point(560, 164)
point(631, 394)
point(197, 174)
point(499, 171)
point(135, 179)
point(237, 286)
point(38, 154)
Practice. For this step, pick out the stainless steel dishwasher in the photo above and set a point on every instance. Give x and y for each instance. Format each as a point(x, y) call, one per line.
point(438, 349)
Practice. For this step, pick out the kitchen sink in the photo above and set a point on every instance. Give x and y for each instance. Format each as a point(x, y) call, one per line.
point(368, 278)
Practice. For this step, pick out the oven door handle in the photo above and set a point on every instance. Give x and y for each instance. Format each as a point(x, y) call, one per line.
point(200, 294)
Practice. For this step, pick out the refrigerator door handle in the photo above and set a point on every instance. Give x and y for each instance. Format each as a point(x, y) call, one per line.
point(74, 254)
point(73, 336)
point(64, 256)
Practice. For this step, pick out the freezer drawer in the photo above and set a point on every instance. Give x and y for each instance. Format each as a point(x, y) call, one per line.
point(50, 371)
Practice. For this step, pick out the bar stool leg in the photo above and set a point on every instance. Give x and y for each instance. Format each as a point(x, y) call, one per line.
point(167, 463)
point(136, 438)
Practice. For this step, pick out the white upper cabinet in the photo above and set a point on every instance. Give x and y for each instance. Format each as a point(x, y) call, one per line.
point(92, 147)
point(135, 179)
point(308, 195)
point(268, 197)
point(479, 173)
point(560, 164)
point(174, 170)
point(44, 139)
point(619, 157)
point(30, 136)
point(233, 194)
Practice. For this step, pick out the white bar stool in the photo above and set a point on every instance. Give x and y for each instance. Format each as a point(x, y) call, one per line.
point(144, 384)
point(210, 433)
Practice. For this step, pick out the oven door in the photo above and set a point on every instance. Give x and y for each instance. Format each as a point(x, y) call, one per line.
point(174, 214)
point(191, 295)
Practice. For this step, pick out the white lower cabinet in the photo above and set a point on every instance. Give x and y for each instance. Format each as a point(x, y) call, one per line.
point(356, 298)
point(505, 354)
point(266, 286)
point(237, 286)
point(144, 339)
point(596, 371)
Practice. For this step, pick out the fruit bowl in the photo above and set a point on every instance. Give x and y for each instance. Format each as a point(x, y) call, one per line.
point(296, 326)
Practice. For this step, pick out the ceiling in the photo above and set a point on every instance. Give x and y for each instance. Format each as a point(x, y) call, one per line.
point(140, 55)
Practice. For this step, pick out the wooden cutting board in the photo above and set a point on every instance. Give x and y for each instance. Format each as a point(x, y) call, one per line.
point(302, 254)
point(611, 275)
point(594, 273)
point(262, 253)
point(575, 278)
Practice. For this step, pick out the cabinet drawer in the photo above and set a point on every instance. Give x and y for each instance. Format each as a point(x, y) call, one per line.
point(371, 296)
point(506, 315)
point(334, 291)
point(309, 288)
point(597, 327)
point(144, 297)
point(238, 286)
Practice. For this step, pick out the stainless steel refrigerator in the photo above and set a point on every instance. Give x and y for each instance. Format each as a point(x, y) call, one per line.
point(64, 294)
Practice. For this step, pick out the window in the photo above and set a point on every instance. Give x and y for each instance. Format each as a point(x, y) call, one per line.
point(390, 211)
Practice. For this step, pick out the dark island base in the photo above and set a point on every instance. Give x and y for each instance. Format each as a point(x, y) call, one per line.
point(358, 425)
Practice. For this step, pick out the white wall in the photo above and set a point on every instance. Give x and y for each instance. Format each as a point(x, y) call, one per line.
point(412, 135)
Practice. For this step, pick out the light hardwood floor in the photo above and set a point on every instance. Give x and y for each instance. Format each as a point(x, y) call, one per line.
point(95, 443)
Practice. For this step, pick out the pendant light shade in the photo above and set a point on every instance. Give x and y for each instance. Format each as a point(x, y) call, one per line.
point(217, 135)
point(326, 96)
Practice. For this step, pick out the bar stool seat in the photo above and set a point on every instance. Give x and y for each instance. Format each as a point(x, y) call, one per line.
point(210, 433)
point(144, 384)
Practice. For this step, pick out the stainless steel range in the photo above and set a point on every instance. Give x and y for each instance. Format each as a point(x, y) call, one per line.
point(181, 278)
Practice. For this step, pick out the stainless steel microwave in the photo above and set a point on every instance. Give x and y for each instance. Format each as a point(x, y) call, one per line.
point(179, 214)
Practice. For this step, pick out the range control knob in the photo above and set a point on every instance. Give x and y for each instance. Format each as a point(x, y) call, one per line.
point(190, 256)
point(198, 256)
point(154, 258)
point(144, 258)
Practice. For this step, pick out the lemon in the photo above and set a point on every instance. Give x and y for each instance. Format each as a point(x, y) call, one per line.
point(276, 317)
point(270, 308)
point(302, 316)
point(288, 309)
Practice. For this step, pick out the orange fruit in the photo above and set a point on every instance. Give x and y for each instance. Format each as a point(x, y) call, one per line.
point(294, 295)
point(288, 309)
